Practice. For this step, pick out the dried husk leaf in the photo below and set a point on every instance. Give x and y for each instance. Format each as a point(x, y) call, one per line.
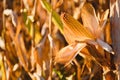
point(20, 54)
point(69, 52)
point(73, 30)
point(105, 46)
point(41, 51)
point(89, 18)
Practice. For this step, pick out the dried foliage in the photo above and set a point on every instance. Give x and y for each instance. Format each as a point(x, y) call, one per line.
point(59, 40)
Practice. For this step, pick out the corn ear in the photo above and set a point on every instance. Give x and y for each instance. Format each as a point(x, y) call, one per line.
point(74, 30)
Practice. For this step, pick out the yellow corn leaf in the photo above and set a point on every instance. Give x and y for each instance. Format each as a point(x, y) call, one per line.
point(55, 17)
point(73, 30)
point(37, 37)
point(89, 18)
point(69, 52)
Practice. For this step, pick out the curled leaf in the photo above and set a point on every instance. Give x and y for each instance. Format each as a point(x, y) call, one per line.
point(73, 30)
point(105, 46)
point(69, 52)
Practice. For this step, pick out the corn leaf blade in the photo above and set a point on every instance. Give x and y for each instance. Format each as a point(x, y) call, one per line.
point(55, 17)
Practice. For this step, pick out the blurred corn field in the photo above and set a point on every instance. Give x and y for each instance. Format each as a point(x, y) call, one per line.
point(59, 40)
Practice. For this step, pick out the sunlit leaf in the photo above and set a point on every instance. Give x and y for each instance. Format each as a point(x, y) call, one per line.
point(74, 30)
point(46, 5)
